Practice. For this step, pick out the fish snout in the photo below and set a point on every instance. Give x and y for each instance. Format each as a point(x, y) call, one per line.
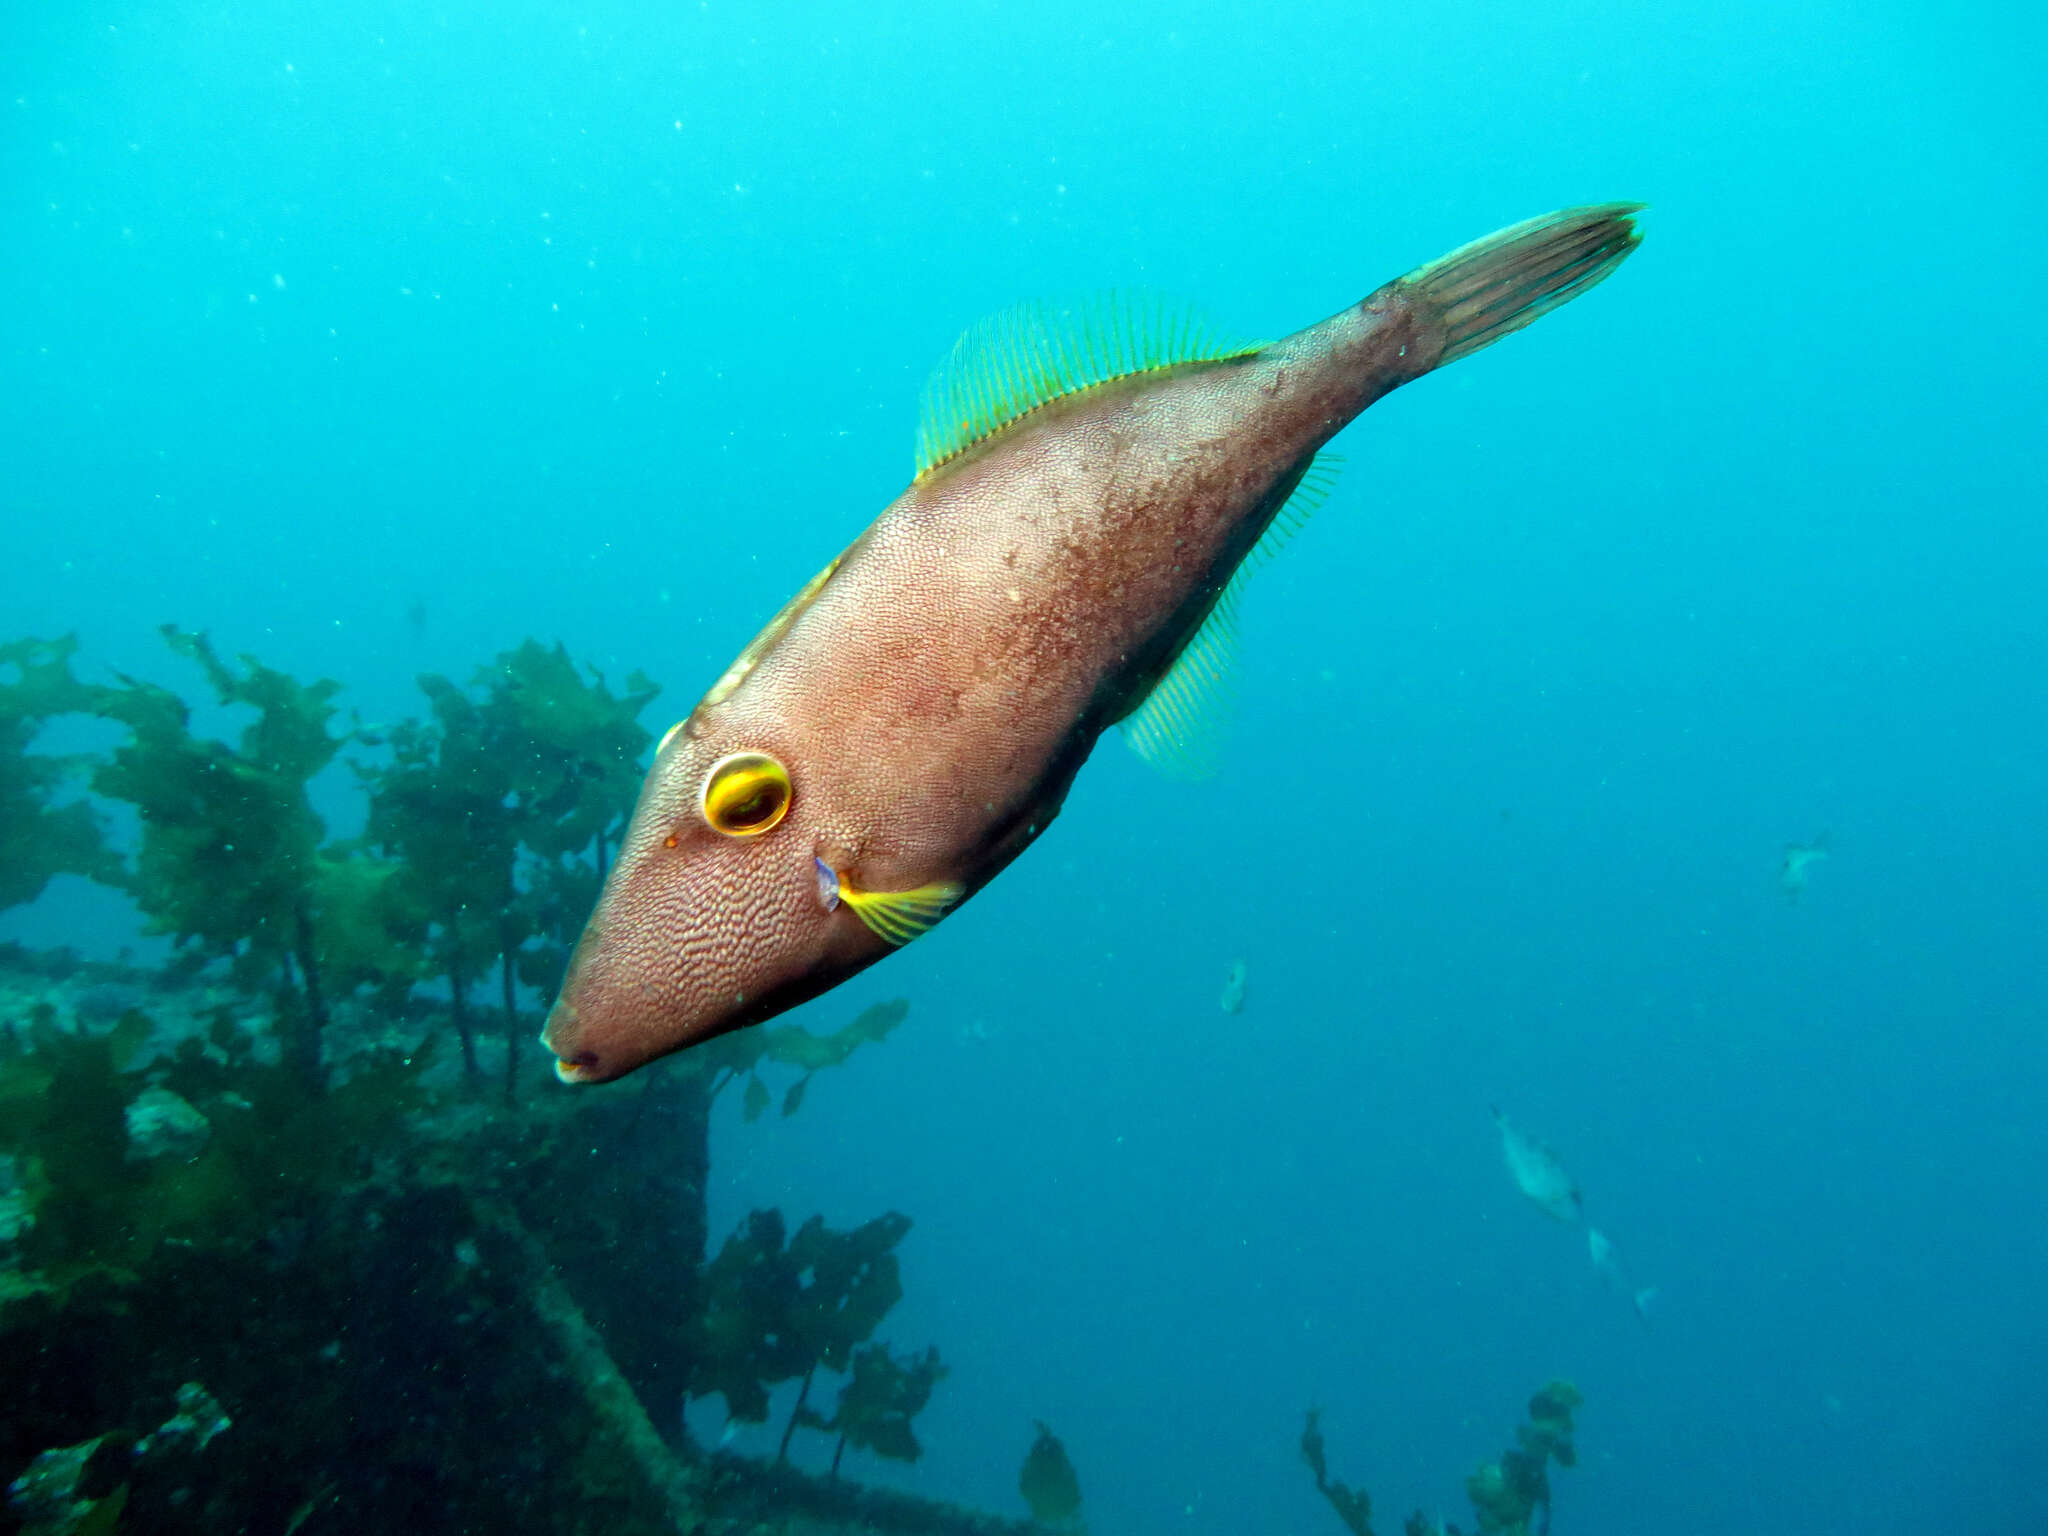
point(575, 1062)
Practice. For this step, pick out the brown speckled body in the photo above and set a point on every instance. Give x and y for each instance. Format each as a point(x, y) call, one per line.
point(934, 700)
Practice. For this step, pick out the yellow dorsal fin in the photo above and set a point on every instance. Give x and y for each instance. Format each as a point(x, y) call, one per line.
point(900, 916)
point(1178, 729)
point(1011, 363)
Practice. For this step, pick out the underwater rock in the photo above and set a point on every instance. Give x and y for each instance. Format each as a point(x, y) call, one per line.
point(47, 1500)
point(103, 1002)
point(51, 1497)
point(17, 1210)
point(620, 1435)
point(198, 1419)
point(160, 1124)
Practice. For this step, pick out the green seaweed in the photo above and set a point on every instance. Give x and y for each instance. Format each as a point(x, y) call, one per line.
point(882, 1395)
point(368, 930)
point(502, 809)
point(273, 1143)
point(779, 1308)
point(39, 836)
point(231, 858)
point(1353, 1505)
point(740, 1054)
point(440, 807)
point(1506, 1494)
point(574, 746)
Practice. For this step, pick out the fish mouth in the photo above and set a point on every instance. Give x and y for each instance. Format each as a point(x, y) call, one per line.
point(557, 1036)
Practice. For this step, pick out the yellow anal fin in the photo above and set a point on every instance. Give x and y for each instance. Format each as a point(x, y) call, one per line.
point(1179, 727)
point(900, 916)
point(1309, 493)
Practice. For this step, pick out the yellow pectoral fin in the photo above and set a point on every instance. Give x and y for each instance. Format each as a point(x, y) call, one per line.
point(900, 916)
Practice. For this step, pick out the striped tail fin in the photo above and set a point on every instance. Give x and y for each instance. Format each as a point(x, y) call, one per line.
point(1495, 286)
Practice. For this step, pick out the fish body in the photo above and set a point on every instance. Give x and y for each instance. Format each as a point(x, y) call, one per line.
point(914, 718)
point(1608, 1262)
point(1797, 865)
point(1231, 999)
point(1601, 1250)
point(1048, 1482)
point(1537, 1172)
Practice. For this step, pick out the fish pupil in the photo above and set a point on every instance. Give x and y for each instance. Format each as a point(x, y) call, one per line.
point(754, 805)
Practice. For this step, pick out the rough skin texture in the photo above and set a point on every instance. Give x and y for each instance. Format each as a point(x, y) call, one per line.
point(936, 699)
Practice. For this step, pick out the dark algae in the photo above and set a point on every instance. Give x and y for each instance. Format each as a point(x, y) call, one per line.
point(45, 828)
point(234, 861)
point(1510, 1496)
point(500, 810)
point(882, 1395)
point(1353, 1505)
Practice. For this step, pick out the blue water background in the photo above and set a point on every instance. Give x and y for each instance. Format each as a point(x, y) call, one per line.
point(373, 338)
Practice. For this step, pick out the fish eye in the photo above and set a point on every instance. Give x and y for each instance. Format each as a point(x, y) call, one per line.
point(745, 794)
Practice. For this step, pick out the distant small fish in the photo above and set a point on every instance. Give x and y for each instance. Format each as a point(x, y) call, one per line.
point(1537, 1172)
point(1799, 859)
point(1608, 1262)
point(1231, 999)
point(1048, 1483)
point(1604, 1258)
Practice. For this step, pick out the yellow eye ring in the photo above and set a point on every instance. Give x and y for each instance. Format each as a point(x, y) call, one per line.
point(745, 794)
